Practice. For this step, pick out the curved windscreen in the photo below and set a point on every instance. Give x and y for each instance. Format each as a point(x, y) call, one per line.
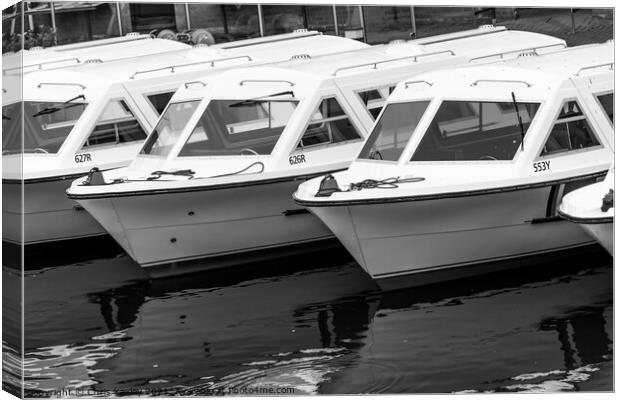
point(169, 128)
point(46, 125)
point(393, 130)
point(470, 131)
point(233, 127)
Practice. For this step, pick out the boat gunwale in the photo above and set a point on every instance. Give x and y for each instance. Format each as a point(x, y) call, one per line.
point(231, 185)
point(446, 195)
point(586, 220)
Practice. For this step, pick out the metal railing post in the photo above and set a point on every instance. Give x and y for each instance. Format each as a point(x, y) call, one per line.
point(261, 26)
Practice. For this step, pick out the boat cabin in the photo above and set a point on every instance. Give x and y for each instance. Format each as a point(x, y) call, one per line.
point(309, 114)
point(99, 113)
point(528, 121)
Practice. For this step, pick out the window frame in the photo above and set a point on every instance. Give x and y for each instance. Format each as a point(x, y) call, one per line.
point(84, 147)
point(347, 115)
point(586, 116)
point(440, 101)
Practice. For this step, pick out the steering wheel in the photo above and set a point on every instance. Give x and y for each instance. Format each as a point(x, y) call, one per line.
point(40, 150)
point(248, 150)
point(488, 158)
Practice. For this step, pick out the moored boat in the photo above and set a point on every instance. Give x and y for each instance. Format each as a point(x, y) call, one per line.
point(99, 113)
point(215, 177)
point(465, 168)
point(592, 208)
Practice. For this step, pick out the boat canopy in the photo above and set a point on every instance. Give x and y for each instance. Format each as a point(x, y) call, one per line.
point(535, 117)
point(312, 103)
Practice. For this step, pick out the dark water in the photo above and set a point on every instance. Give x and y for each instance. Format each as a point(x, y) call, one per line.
point(323, 328)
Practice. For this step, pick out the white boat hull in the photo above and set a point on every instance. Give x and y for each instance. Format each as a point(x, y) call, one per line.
point(393, 240)
point(163, 228)
point(48, 215)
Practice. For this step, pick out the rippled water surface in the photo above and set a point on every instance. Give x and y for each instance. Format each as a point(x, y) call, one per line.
point(316, 325)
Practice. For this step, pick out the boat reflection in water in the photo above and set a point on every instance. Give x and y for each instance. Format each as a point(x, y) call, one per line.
point(103, 325)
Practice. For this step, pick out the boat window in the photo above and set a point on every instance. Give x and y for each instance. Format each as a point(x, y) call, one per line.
point(233, 127)
point(468, 131)
point(328, 124)
point(169, 128)
point(607, 102)
point(46, 125)
point(570, 132)
point(116, 124)
point(159, 101)
point(374, 99)
point(393, 130)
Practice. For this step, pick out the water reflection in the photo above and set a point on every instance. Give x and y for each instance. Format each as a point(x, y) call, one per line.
point(103, 325)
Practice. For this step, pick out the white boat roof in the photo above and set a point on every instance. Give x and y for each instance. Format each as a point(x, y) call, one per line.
point(53, 57)
point(535, 74)
point(131, 45)
point(480, 45)
point(87, 77)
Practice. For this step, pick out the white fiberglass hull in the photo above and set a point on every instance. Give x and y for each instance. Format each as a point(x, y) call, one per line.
point(411, 243)
point(165, 228)
point(584, 207)
point(48, 215)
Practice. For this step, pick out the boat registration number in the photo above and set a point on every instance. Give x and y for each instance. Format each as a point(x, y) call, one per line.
point(541, 166)
point(85, 157)
point(298, 159)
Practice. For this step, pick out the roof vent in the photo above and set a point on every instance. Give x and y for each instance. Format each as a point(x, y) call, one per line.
point(487, 26)
point(201, 45)
point(36, 48)
point(609, 41)
point(397, 41)
point(301, 30)
point(531, 53)
point(133, 34)
point(93, 61)
point(301, 57)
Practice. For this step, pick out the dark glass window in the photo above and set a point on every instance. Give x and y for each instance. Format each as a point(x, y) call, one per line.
point(570, 132)
point(160, 101)
point(233, 127)
point(607, 102)
point(464, 130)
point(328, 124)
point(46, 125)
point(282, 18)
point(116, 124)
point(393, 130)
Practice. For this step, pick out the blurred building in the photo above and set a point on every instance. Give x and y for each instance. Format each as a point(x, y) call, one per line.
point(60, 22)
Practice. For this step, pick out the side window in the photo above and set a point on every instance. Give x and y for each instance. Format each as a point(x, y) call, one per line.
point(570, 132)
point(159, 101)
point(328, 124)
point(374, 99)
point(116, 124)
point(607, 102)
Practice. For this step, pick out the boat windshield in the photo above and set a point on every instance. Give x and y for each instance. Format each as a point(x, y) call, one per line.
point(474, 130)
point(233, 127)
point(393, 130)
point(169, 128)
point(46, 125)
